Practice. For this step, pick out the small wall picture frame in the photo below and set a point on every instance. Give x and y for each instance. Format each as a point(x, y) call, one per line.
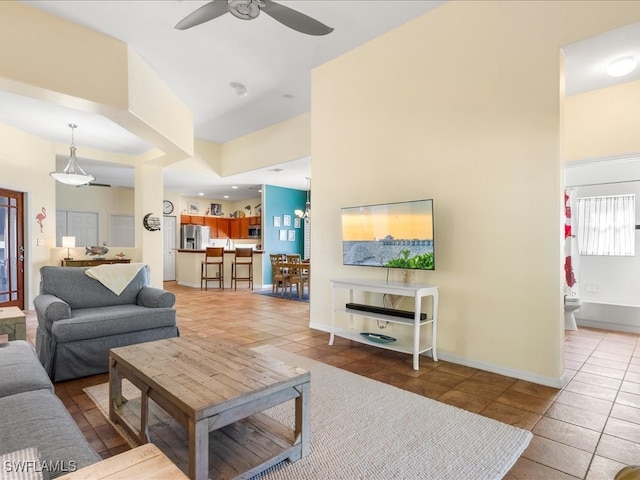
point(286, 220)
point(292, 235)
point(296, 222)
point(216, 209)
point(192, 208)
point(283, 235)
point(276, 221)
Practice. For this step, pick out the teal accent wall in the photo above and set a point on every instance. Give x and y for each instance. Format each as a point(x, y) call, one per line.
point(279, 202)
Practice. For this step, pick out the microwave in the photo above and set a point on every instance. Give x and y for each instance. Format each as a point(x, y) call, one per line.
point(254, 231)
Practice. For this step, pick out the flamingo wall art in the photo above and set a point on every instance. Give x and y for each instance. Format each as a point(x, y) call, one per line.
point(40, 218)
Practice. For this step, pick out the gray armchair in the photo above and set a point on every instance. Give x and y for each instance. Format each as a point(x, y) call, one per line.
point(79, 320)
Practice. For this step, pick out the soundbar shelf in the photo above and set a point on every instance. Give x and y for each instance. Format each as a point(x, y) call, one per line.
point(410, 339)
point(382, 317)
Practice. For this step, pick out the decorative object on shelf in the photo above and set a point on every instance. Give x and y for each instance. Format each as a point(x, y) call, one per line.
point(40, 218)
point(99, 251)
point(120, 255)
point(68, 242)
point(216, 209)
point(192, 208)
point(72, 173)
point(377, 337)
point(151, 223)
point(258, 210)
point(238, 214)
point(248, 209)
point(167, 207)
point(307, 210)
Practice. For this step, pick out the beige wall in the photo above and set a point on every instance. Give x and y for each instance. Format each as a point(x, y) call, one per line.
point(25, 163)
point(104, 200)
point(603, 123)
point(461, 105)
point(279, 143)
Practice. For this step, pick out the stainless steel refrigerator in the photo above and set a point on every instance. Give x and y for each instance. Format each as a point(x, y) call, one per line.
point(194, 237)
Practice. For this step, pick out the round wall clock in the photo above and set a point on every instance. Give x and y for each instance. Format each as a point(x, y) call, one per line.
point(167, 207)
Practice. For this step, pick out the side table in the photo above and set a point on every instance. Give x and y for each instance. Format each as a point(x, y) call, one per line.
point(13, 323)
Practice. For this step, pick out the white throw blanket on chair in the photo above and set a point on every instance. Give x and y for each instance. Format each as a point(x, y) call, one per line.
point(115, 277)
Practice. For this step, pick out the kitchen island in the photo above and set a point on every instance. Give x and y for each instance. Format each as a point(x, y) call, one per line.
point(188, 268)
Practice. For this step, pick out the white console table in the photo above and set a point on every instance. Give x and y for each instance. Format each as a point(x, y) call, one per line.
point(416, 344)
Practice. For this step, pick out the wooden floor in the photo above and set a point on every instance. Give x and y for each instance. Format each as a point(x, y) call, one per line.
point(590, 429)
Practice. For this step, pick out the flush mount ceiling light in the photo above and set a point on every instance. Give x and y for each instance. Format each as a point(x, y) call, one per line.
point(622, 66)
point(239, 88)
point(72, 173)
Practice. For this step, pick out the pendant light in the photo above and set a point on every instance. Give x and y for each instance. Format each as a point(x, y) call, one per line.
point(72, 173)
point(307, 210)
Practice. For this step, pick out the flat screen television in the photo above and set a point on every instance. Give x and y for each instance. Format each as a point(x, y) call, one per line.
point(391, 235)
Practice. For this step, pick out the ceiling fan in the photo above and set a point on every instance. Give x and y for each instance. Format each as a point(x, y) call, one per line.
point(250, 9)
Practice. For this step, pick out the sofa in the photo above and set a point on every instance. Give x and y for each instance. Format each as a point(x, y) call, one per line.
point(35, 427)
point(80, 319)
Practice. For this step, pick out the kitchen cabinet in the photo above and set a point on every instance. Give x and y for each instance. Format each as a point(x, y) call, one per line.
point(192, 220)
point(224, 227)
point(212, 223)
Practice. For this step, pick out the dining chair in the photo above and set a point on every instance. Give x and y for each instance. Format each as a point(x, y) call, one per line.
point(279, 276)
point(298, 274)
point(214, 256)
point(243, 258)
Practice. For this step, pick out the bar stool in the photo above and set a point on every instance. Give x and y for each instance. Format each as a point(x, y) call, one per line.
point(243, 258)
point(212, 256)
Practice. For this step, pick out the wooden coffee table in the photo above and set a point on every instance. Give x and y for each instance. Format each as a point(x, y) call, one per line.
point(13, 323)
point(217, 393)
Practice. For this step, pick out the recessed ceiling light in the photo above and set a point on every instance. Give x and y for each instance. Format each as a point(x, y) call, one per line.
point(622, 66)
point(235, 187)
point(201, 194)
point(226, 196)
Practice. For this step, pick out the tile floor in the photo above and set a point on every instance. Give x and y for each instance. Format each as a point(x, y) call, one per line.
point(588, 430)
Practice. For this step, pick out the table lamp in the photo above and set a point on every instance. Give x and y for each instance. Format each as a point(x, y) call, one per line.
point(68, 242)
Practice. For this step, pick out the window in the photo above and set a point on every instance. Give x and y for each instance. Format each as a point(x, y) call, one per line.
point(606, 225)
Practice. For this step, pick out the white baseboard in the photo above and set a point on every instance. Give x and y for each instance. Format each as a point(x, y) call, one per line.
point(488, 367)
point(583, 322)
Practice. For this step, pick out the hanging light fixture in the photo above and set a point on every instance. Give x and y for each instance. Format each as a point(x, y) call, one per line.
point(307, 211)
point(72, 173)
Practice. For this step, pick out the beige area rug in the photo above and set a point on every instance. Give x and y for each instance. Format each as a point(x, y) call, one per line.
point(364, 429)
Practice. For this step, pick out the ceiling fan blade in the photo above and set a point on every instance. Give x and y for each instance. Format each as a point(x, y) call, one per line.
point(207, 12)
point(294, 19)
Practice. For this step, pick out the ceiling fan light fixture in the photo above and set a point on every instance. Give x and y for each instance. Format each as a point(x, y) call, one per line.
point(245, 9)
point(72, 174)
point(622, 66)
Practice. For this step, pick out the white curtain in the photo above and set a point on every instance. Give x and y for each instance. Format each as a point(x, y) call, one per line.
point(607, 225)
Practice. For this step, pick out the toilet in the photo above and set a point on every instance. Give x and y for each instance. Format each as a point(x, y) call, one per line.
point(571, 304)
